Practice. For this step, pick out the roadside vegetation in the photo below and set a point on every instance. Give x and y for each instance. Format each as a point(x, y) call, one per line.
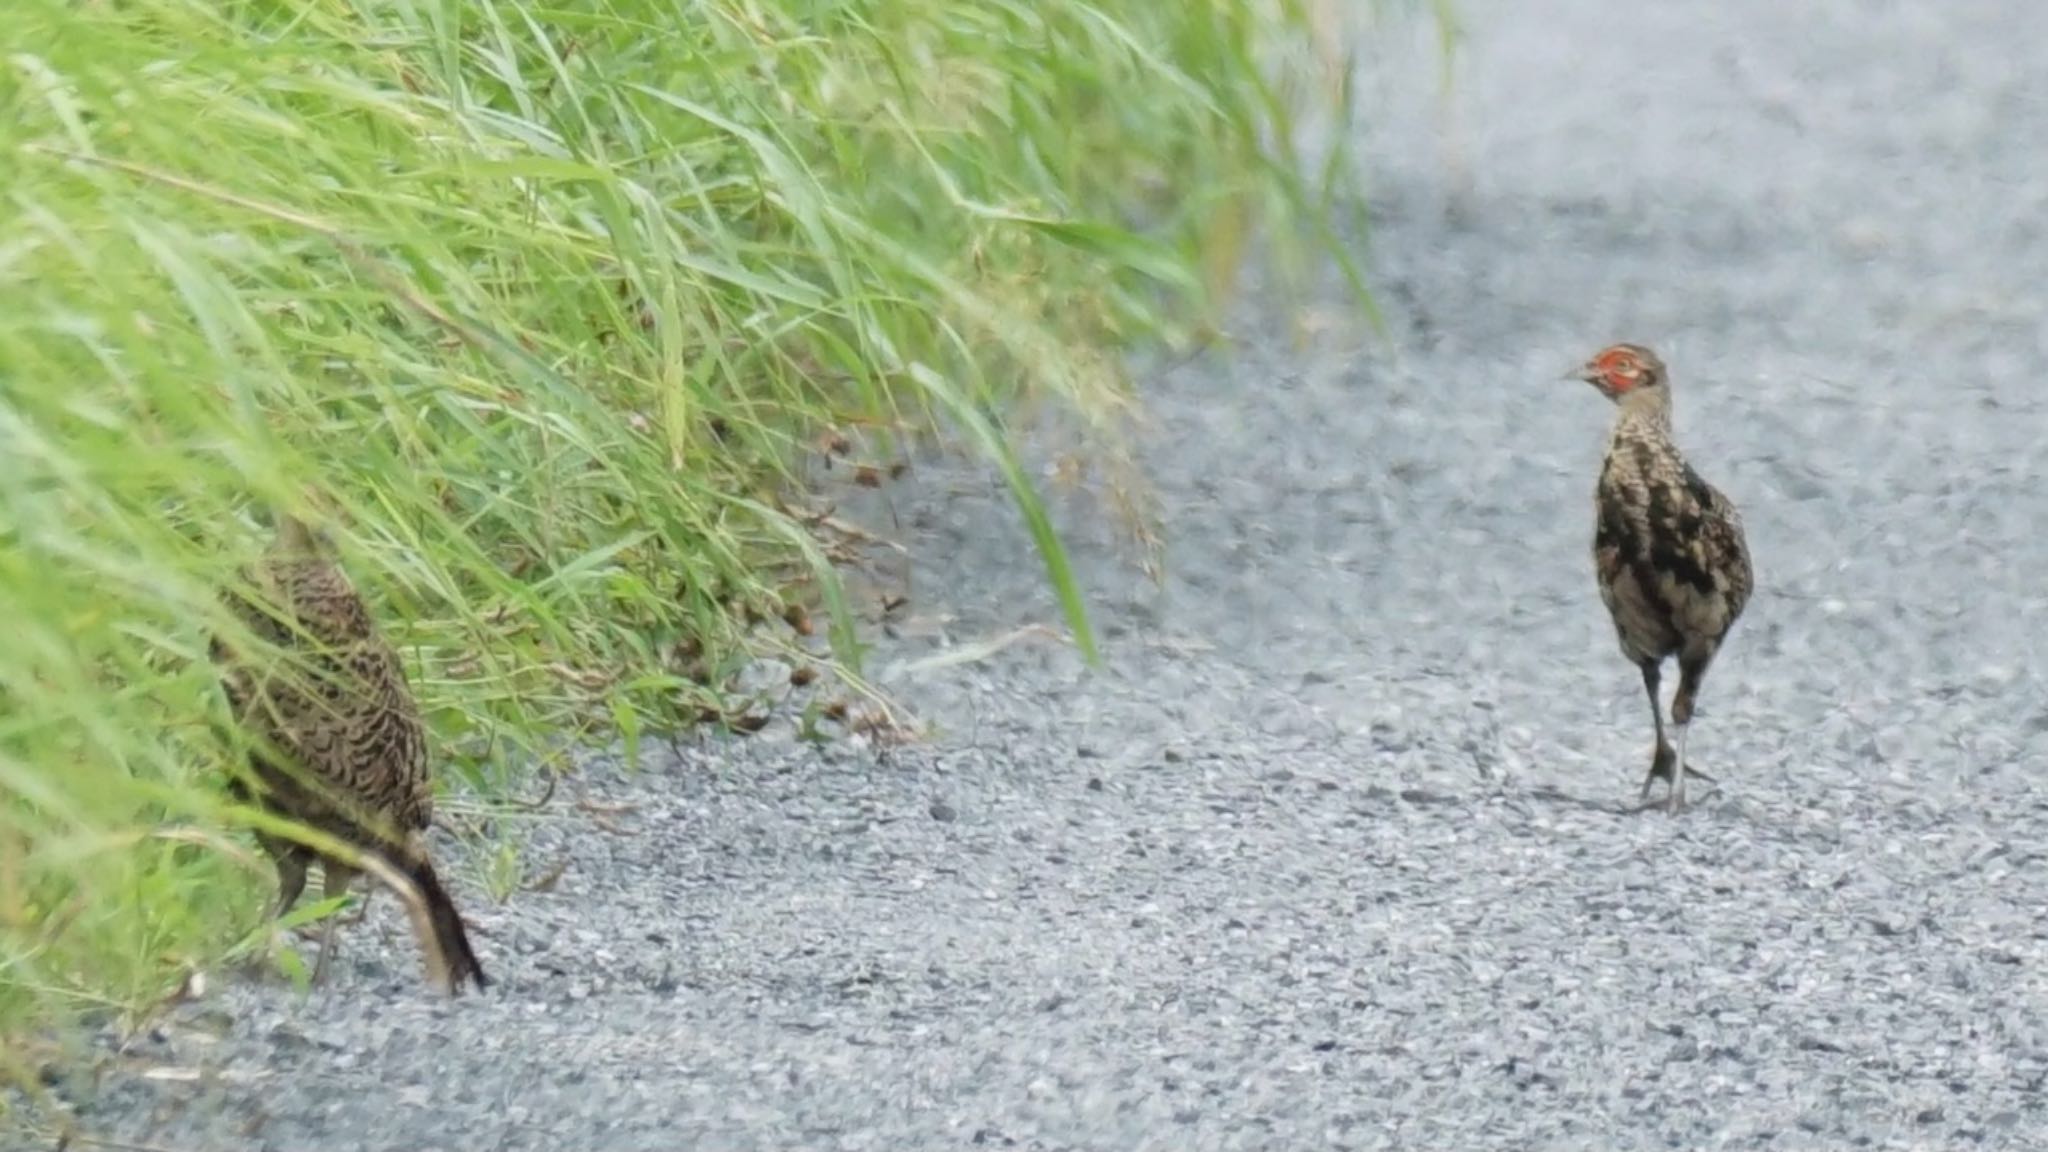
point(555, 302)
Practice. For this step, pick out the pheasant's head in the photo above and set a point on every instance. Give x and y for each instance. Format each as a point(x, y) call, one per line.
point(1621, 370)
point(307, 534)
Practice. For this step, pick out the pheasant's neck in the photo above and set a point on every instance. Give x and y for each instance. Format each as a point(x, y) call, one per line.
point(1646, 411)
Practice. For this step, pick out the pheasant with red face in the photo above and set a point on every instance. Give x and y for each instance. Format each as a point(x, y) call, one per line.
point(1668, 550)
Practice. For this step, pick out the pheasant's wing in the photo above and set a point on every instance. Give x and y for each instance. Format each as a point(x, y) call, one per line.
point(388, 738)
point(1724, 543)
point(1696, 553)
point(1624, 538)
point(376, 751)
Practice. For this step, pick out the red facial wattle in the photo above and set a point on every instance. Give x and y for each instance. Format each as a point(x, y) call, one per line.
point(1619, 371)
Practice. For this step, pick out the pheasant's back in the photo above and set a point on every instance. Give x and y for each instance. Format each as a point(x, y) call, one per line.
point(342, 708)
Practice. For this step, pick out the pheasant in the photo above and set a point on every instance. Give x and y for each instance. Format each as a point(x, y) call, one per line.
point(1668, 550)
point(340, 745)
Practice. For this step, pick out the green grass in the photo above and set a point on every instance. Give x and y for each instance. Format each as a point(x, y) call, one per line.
point(553, 299)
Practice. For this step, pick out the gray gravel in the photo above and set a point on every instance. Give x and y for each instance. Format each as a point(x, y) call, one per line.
point(1339, 852)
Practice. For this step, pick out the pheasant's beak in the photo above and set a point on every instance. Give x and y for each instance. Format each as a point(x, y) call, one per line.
point(1585, 373)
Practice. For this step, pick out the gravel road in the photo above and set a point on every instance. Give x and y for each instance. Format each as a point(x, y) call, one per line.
point(1340, 851)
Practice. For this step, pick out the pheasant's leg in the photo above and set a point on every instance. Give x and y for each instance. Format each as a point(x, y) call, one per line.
point(1692, 670)
point(362, 907)
point(1677, 794)
point(291, 876)
point(291, 884)
point(1660, 760)
point(339, 877)
point(291, 861)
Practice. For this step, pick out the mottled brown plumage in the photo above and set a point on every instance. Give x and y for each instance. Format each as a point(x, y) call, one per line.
point(1668, 549)
point(343, 714)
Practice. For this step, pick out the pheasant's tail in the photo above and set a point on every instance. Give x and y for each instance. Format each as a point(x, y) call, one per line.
point(444, 940)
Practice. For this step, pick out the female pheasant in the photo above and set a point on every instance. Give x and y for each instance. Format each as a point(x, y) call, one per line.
point(342, 745)
point(1668, 549)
